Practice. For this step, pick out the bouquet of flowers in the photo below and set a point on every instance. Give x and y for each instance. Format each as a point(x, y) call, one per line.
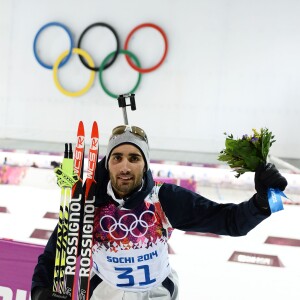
point(247, 153)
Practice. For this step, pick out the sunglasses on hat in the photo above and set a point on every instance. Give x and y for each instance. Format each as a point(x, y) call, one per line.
point(133, 129)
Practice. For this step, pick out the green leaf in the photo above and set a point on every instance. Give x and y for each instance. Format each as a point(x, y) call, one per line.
point(244, 155)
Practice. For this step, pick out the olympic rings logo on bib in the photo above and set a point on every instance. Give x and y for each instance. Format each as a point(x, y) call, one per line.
point(88, 62)
point(119, 230)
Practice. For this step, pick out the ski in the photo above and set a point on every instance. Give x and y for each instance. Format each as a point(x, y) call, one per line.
point(88, 217)
point(73, 199)
point(74, 216)
point(65, 181)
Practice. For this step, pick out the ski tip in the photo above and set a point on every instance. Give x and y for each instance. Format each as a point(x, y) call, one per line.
point(95, 132)
point(66, 153)
point(80, 131)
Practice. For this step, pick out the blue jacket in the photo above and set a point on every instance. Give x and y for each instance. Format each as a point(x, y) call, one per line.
point(185, 210)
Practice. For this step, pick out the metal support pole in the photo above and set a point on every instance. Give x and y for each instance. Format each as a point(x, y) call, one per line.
point(125, 115)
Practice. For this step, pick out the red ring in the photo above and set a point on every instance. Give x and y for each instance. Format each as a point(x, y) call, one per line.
point(141, 70)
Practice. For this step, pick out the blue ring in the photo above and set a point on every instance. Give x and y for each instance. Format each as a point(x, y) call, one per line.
point(65, 60)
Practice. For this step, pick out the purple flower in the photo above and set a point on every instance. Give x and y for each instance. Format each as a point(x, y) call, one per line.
point(245, 136)
point(254, 139)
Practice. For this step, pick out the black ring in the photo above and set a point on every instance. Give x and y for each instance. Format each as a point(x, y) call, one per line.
point(117, 50)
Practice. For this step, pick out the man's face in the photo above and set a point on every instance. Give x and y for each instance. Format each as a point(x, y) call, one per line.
point(126, 168)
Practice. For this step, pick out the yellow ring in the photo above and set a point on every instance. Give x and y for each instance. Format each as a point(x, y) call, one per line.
point(90, 63)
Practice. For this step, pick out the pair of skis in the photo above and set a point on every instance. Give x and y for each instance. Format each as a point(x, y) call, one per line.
point(75, 232)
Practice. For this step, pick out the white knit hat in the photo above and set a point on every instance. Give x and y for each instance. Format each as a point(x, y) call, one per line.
point(128, 138)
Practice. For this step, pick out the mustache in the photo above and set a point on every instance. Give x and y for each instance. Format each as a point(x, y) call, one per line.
point(124, 173)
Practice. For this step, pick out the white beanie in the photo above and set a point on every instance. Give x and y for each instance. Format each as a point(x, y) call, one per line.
point(128, 138)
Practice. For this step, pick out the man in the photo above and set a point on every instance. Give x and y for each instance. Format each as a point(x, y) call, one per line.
point(135, 216)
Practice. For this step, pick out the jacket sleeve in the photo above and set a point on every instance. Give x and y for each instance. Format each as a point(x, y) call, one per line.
point(44, 270)
point(190, 211)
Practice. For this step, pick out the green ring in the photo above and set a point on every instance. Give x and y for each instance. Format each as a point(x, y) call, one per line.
point(103, 64)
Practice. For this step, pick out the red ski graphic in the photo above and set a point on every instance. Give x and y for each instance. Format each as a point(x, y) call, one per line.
point(88, 218)
point(74, 217)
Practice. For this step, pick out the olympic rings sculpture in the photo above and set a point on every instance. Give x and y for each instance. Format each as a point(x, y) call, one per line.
point(119, 226)
point(88, 62)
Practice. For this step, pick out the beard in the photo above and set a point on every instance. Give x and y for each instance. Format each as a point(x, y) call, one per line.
point(124, 185)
